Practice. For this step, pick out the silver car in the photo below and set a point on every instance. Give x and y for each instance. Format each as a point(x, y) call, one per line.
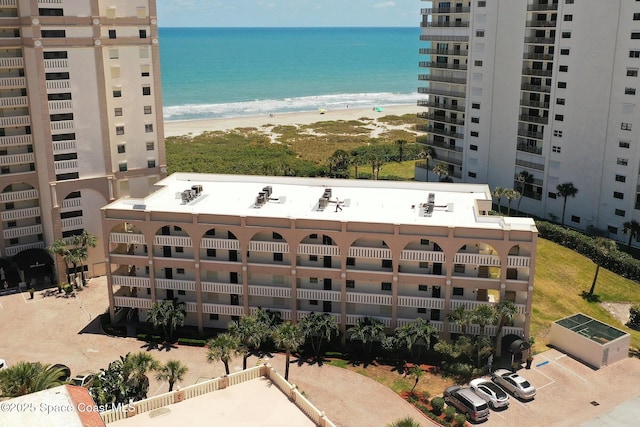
point(514, 383)
point(495, 396)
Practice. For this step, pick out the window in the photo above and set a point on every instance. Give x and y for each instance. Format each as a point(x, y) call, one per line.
point(145, 71)
point(575, 219)
point(121, 149)
point(53, 34)
point(387, 263)
point(624, 144)
point(313, 302)
point(117, 93)
point(351, 284)
point(636, 16)
point(618, 195)
point(477, 63)
point(634, 54)
point(422, 310)
point(613, 230)
point(57, 76)
point(313, 280)
point(119, 130)
point(475, 119)
point(475, 105)
point(566, 34)
point(151, 163)
point(557, 133)
point(635, 36)
point(562, 85)
point(556, 149)
point(568, 18)
point(112, 34)
point(479, 33)
point(351, 261)
point(117, 111)
point(113, 53)
point(629, 90)
point(564, 51)
point(277, 256)
point(621, 178)
point(564, 68)
point(150, 146)
point(122, 167)
point(552, 195)
point(212, 316)
point(211, 253)
point(458, 291)
point(620, 212)
point(473, 147)
point(423, 288)
point(622, 162)
point(568, 1)
point(179, 270)
point(386, 286)
point(472, 174)
point(148, 128)
point(146, 90)
point(632, 72)
point(147, 109)
point(458, 268)
point(474, 133)
point(625, 126)
point(560, 101)
point(559, 117)
point(482, 3)
point(143, 34)
point(45, 11)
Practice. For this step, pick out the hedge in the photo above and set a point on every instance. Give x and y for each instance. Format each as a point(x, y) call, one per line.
point(192, 342)
point(616, 261)
point(433, 416)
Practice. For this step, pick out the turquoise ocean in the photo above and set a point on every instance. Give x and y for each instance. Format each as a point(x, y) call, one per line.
point(230, 72)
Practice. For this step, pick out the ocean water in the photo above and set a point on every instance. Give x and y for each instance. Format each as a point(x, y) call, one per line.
point(228, 72)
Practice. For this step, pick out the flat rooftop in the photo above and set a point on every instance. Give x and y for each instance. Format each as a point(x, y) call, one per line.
point(591, 328)
point(393, 202)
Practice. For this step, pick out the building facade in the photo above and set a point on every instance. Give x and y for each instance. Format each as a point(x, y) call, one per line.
point(228, 245)
point(524, 94)
point(80, 116)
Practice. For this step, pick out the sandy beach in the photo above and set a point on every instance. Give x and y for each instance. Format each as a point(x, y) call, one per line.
point(196, 127)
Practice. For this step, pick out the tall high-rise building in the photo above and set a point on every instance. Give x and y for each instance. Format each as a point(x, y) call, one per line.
point(80, 116)
point(530, 94)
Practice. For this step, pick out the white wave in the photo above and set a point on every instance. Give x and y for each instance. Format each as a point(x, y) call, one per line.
point(305, 103)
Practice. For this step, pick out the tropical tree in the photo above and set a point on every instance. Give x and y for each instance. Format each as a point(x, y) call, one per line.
point(461, 317)
point(173, 371)
point(506, 311)
point(482, 315)
point(415, 336)
point(566, 190)
point(427, 153)
point(168, 314)
point(401, 143)
point(28, 377)
point(603, 248)
point(318, 328)
point(418, 373)
point(356, 160)
point(288, 337)
point(223, 348)
point(368, 330)
point(633, 228)
point(405, 422)
point(251, 333)
point(60, 249)
point(523, 178)
point(339, 164)
point(511, 195)
point(136, 366)
point(499, 193)
point(81, 244)
point(441, 169)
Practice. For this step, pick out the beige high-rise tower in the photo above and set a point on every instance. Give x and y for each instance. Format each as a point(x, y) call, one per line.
point(80, 117)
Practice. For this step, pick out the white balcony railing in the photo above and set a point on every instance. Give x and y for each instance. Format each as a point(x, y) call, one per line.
point(133, 281)
point(64, 146)
point(422, 256)
point(58, 84)
point(12, 82)
point(229, 244)
point(13, 233)
point(127, 238)
point(377, 253)
point(14, 101)
point(14, 62)
point(179, 285)
point(16, 214)
point(16, 159)
point(132, 302)
point(14, 250)
point(66, 104)
point(56, 63)
point(270, 291)
point(272, 247)
point(182, 241)
point(518, 261)
point(222, 288)
point(72, 223)
point(477, 259)
point(228, 310)
point(15, 121)
point(7, 141)
point(66, 165)
point(320, 295)
point(421, 302)
point(374, 299)
point(62, 125)
point(325, 250)
point(72, 203)
point(18, 196)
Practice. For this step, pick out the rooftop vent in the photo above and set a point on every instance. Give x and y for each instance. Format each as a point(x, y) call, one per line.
point(323, 201)
point(264, 196)
point(191, 193)
point(428, 207)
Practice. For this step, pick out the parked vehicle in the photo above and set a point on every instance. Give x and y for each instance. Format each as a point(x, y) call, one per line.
point(490, 392)
point(65, 372)
point(84, 379)
point(514, 383)
point(467, 402)
point(3, 364)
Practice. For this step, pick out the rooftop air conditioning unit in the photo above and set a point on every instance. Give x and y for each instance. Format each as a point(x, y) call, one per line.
point(268, 190)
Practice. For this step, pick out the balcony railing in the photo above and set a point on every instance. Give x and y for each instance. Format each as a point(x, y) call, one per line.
point(529, 165)
point(443, 38)
point(540, 40)
point(445, 10)
point(442, 106)
point(451, 24)
point(56, 63)
point(439, 118)
point(442, 92)
point(432, 64)
point(131, 281)
point(372, 299)
point(541, 24)
point(535, 104)
point(16, 214)
point(324, 250)
point(447, 79)
point(536, 72)
point(16, 159)
point(63, 146)
point(14, 101)
point(477, 259)
point(8, 141)
point(132, 302)
point(13, 233)
point(58, 84)
point(320, 295)
point(18, 196)
point(537, 56)
point(421, 302)
point(180, 285)
point(228, 310)
point(445, 52)
point(533, 119)
point(422, 256)
point(13, 82)
point(375, 253)
point(15, 121)
point(536, 7)
point(14, 250)
point(222, 288)
point(530, 134)
point(536, 88)
point(270, 291)
point(228, 244)
point(437, 131)
point(529, 149)
point(444, 145)
point(271, 247)
point(182, 241)
point(127, 238)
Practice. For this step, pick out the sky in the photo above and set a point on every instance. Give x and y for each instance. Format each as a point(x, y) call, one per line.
point(289, 13)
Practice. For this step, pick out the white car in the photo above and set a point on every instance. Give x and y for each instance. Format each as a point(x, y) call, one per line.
point(84, 379)
point(3, 364)
point(514, 383)
point(491, 393)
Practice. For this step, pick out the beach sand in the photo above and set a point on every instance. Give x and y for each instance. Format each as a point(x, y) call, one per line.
point(196, 127)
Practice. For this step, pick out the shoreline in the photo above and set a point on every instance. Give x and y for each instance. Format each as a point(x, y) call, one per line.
point(197, 126)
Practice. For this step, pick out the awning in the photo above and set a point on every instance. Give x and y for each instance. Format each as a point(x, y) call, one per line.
point(518, 346)
point(33, 258)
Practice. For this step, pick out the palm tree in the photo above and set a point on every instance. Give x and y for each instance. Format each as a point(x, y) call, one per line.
point(405, 422)
point(251, 333)
point(483, 315)
point(417, 372)
point(368, 330)
point(28, 377)
point(59, 248)
point(223, 348)
point(289, 337)
point(168, 314)
point(416, 334)
point(461, 317)
point(427, 153)
point(566, 190)
point(357, 160)
point(511, 195)
point(319, 327)
point(523, 178)
point(633, 228)
point(499, 193)
point(173, 371)
point(339, 164)
point(506, 311)
point(401, 143)
point(603, 248)
point(441, 169)
point(136, 366)
point(82, 244)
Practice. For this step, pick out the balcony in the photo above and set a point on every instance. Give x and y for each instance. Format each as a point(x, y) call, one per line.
point(535, 88)
point(11, 62)
point(533, 119)
point(441, 106)
point(443, 38)
point(444, 79)
point(371, 299)
point(16, 159)
point(451, 24)
point(529, 148)
point(16, 214)
point(538, 7)
point(422, 256)
point(16, 232)
point(132, 302)
point(530, 134)
point(536, 72)
point(60, 147)
point(323, 250)
point(72, 223)
point(58, 84)
point(180, 285)
point(18, 196)
point(443, 132)
point(56, 63)
point(444, 145)
point(529, 165)
point(445, 10)
point(13, 82)
point(477, 259)
point(444, 52)
point(544, 24)
point(441, 92)
point(14, 101)
point(534, 104)
point(540, 40)
point(222, 288)
point(431, 64)
point(269, 291)
point(537, 56)
point(62, 125)
point(64, 166)
point(60, 105)
point(270, 247)
point(127, 238)
point(131, 281)
point(320, 295)
point(182, 241)
point(14, 250)
point(374, 253)
point(225, 244)
point(421, 302)
point(10, 141)
point(439, 118)
point(15, 121)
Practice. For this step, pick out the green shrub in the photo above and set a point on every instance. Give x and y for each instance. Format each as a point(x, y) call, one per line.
point(449, 413)
point(336, 354)
point(412, 398)
point(460, 420)
point(634, 318)
point(149, 337)
point(438, 405)
point(431, 415)
point(192, 342)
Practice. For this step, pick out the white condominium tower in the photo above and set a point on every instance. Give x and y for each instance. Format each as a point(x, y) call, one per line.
point(80, 116)
point(529, 94)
